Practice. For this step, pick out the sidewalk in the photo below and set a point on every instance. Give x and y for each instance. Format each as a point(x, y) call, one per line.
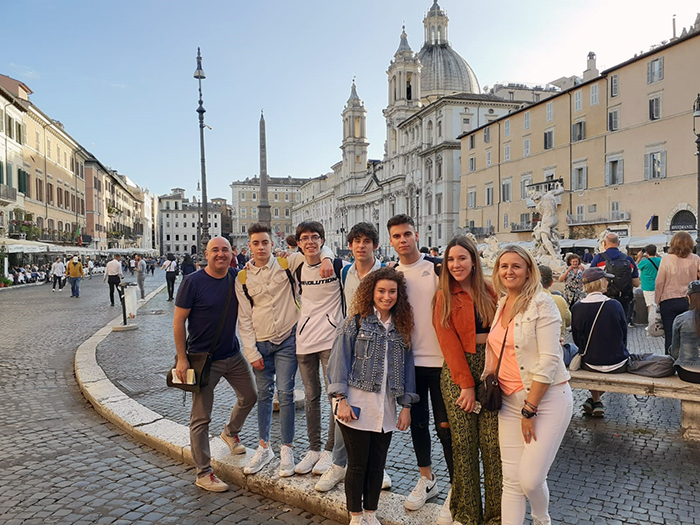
point(631, 467)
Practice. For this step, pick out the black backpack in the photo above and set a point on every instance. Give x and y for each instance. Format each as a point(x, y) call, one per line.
point(621, 284)
point(338, 269)
point(437, 263)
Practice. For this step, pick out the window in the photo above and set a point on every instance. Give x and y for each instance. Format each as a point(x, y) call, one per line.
point(277, 213)
point(286, 197)
point(592, 208)
point(471, 198)
point(594, 95)
point(549, 139)
point(487, 135)
point(177, 237)
point(614, 171)
point(471, 141)
point(243, 228)
point(578, 131)
point(489, 195)
point(59, 198)
point(255, 196)
point(184, 238)
point(579, 176)
point(507, 190)
point(524, 218)
point(614, 86)
point(527, 120)
point(472, 164)
point(526, 147)
point(177, 224)
point(39, 190)
point(286, 212)
point(488, 158)
point(505, 221)
point(550, 112)
point(506, 152)
point(177, 248)
point(614, 119)
point(655, 70)
point(537, 97)
point(167, 237)
point(58, 154)
point(276, 197)
point(167, 224)
point(429, 205)
point(655, 108)
point(506, 127)
point(527, 179)
point(167, 248)
point(10, 127)
point(37, 141)
point(615, 213)
point(438, 203)
point(580, 213)
point(243, 211)
point(66, 199)
point(655, 165)
point(578, 100)
point(439, 129)
point(242, 195)
point(48, 147)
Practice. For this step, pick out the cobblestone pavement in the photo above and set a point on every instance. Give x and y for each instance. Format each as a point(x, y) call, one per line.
point(630, 467)
point(63, 463)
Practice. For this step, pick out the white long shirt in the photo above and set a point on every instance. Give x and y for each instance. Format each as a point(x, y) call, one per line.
point(114, 267)
point(58, 268)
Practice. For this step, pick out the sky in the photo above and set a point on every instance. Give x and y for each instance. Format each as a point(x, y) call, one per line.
point(119, 74)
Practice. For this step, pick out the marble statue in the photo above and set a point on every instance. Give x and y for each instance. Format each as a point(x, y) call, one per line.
point(490, 253)
point(546, 234)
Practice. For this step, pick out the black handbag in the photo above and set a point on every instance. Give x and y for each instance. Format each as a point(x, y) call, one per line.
point(200, 362)
point(490, 395)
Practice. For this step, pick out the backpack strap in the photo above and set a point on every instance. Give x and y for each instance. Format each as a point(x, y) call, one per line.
point(297, 273)
point(242, 277)
point(344, 273)
point(437, 263)
point(284, 264)
point(338, 268)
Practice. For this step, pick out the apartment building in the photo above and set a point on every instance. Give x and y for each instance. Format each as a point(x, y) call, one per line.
point(180, 222)
point(620, 143)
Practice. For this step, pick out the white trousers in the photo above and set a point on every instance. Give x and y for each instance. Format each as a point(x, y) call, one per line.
point(525, 467)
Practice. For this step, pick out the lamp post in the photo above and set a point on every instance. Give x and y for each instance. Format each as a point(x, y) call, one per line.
point(696, 130)
point(199, 75)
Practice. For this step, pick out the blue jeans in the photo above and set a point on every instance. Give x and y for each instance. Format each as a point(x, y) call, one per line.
point(281, 361)
point(74, 286)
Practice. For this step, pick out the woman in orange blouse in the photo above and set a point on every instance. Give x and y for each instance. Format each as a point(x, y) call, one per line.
point(464, 307)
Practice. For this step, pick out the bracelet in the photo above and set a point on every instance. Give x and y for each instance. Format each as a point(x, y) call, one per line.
point(340, 398)
point(527, 414)
point(530, 406)
point(406, 406)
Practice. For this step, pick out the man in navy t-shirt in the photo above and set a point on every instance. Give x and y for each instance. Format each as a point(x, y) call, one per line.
point(200, 303)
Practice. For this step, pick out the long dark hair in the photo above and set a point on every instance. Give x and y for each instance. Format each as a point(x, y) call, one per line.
point(694, 300)
point(401, 312)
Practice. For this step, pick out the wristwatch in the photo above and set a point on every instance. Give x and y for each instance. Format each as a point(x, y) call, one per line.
point(527, 414)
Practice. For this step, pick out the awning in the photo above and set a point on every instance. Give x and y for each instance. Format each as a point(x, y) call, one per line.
point(22, 246)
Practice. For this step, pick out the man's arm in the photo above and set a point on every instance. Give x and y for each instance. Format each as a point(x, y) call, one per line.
point(180, 334)
point(246, 328)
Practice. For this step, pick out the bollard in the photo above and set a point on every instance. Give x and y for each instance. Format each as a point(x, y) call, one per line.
point(124, 327)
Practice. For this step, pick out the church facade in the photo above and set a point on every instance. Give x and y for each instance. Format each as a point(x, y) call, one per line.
point(433, 97)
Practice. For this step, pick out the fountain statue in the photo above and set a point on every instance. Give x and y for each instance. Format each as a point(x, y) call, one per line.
point(546, 235)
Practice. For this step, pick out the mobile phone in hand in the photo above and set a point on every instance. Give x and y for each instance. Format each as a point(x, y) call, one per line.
point(355, 410)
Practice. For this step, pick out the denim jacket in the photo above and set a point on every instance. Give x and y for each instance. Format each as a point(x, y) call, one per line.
point(685, 347)
point(357, 360)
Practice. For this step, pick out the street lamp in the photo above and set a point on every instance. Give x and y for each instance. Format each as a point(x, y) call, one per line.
point(696, 130)
point(199, 75)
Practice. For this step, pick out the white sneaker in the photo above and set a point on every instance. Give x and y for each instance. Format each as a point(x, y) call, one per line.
point(424, 490)
point(286, 461)
point(445, 516)
point(331, 477)
point(211, 483)
point(306, 465)
point(261, 458)
point(324, 463)
point(371, 519)
point(233, 442)
point(357, 520)
point(386, 481)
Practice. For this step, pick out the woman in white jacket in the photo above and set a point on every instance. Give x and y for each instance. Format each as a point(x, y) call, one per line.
point(537, 401)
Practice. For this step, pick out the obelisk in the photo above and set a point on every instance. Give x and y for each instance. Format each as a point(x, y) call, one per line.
point(264, 215)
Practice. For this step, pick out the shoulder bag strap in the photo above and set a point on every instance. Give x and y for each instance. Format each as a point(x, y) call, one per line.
point(652, 262)
point(503, 347)
point(222, 321)
point(592, 327)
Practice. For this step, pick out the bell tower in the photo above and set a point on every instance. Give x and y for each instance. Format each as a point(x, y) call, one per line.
point(355, 143)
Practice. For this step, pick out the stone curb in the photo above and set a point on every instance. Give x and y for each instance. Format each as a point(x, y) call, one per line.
point(173, 439)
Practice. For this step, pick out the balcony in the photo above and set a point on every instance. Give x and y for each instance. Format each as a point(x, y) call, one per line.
point(613, 217)
point(542, 187)
point(482, 232)
point(8, 195)
point(516, 227)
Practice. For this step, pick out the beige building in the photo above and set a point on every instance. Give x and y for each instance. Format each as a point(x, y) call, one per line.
point(620, 143)
point(282, 195)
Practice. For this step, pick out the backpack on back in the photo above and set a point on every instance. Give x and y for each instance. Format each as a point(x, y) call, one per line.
point(338, 269)
point(284, 264)
point(621, 284)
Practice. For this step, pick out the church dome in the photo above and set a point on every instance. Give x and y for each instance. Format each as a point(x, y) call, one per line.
point(444, 70)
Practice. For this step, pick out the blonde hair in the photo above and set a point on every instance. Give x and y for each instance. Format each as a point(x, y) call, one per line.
point(599, 285)
point(681, 244)
point(480, 292)
point(532, 284)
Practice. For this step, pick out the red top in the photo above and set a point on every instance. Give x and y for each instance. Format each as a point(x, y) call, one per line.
point(460, 337)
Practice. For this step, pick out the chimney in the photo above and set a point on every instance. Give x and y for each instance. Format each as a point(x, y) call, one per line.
point(674, 28)
point(591, 70)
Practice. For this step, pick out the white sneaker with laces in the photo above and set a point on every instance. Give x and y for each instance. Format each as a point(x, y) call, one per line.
point(445, 516)
point(306, 465)
point(211, 483)
point(286, 461)
point(386, 481)
point(323, 463)
point(233, 442)
point(424, 490)
point(358, 519)
point(261, 458)
point(334, 475)
point(371, 519)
